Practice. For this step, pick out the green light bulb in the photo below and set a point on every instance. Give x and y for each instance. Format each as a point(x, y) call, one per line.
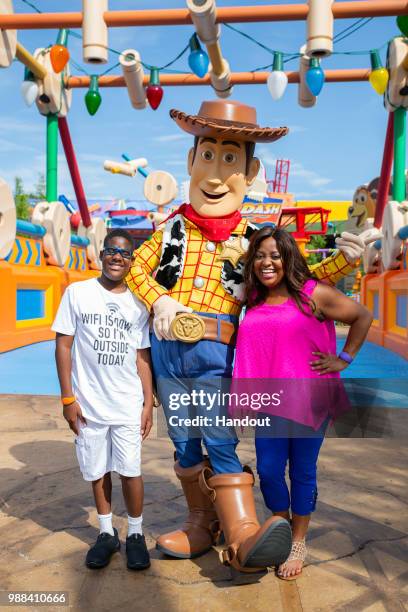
point(93, 98)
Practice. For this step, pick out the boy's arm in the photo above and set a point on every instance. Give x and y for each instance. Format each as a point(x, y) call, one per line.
point(144, 368)
point(72, 412)
point(63, 346)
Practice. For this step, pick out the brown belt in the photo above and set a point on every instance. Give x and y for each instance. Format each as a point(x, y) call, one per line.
point(190, 327)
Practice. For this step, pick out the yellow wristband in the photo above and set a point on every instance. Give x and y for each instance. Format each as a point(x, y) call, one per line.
point(66, 401)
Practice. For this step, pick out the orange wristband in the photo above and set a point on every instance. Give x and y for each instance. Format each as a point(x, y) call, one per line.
point(66, 401)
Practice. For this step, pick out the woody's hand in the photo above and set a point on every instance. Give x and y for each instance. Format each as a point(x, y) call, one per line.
point(353, 246)
point(165, 309)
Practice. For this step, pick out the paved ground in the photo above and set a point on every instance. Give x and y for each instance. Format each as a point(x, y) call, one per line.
point(358, 540)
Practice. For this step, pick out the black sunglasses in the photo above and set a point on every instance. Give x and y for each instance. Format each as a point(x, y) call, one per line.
point(117, 251)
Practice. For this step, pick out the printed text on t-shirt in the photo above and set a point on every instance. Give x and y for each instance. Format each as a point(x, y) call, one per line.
point(110, 345)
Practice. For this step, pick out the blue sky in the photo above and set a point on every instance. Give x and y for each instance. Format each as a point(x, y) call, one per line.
point(333, 147)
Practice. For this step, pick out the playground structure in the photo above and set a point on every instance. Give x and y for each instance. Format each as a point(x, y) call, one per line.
point(39, 259)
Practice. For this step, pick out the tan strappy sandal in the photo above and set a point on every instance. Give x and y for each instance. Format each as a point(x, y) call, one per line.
point(297, 553)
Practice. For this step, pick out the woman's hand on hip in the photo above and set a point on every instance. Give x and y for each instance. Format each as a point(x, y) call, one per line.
point(327, 363)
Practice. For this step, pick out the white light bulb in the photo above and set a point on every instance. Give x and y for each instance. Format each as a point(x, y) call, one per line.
point(276, 82)
point(29, 90)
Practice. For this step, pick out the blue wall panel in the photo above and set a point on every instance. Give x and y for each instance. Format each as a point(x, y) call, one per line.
point(376, 306)
point(402, 310)
point(30, 304)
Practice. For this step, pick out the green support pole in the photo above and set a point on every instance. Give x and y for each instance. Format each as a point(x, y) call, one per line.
point(52, 158)
point(400, 142)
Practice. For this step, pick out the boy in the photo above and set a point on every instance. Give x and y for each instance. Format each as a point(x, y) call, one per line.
point(104, 369)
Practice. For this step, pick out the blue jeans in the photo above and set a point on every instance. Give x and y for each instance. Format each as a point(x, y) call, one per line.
point(273, 454)
point(184, 368)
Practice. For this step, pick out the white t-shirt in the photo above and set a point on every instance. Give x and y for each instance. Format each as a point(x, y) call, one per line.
point(108, 328)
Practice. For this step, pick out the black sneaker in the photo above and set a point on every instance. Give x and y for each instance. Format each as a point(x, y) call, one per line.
point(100, 553)
point(137, 555)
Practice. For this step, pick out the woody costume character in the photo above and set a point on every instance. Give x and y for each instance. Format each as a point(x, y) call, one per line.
point(196, 297)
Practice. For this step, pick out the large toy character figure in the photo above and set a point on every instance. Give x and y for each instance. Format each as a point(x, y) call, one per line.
point(197, 259)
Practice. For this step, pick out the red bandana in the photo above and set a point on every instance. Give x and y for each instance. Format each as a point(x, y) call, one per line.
point(216, 229)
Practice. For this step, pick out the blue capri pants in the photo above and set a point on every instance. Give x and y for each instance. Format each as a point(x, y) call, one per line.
point(273, 453)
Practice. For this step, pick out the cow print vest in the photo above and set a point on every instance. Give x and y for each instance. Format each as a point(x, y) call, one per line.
point(174, 247)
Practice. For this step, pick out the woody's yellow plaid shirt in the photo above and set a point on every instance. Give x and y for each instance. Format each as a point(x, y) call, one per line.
point(201, 263)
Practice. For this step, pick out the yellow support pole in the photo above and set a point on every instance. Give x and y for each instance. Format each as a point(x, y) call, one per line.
point(215, 55)
point(30, 62)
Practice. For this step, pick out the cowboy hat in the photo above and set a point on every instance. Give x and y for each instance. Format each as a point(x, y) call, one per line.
point(222, 118)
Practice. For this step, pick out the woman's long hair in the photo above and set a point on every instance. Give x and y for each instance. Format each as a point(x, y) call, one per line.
point(296, 271)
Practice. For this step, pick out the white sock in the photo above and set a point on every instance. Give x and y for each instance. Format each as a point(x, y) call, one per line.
point(105, 523)
point(135, 525)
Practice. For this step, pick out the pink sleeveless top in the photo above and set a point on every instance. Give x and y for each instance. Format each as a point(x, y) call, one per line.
point(275, 343)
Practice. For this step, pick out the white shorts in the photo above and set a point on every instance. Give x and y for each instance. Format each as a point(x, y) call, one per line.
point(105, 448)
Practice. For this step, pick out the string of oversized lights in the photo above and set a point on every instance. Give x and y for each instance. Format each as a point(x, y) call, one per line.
point(198, 62)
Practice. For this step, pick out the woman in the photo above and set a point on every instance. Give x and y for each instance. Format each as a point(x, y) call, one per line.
point(288, 333)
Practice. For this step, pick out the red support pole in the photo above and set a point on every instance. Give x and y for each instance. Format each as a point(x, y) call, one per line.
point(74, 171)
point(385, 176)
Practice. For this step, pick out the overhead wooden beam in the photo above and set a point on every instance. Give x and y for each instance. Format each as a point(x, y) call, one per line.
point(237, 78)
point(232, 14)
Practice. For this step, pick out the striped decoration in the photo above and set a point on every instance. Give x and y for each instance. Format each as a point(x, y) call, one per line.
point(77, 259)
point(26, 252)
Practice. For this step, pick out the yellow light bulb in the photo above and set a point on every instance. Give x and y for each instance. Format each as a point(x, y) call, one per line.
point(379, 79)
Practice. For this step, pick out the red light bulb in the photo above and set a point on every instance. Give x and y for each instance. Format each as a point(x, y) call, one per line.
point(154, 92)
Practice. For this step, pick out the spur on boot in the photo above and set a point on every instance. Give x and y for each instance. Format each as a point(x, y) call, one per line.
point(250, 547)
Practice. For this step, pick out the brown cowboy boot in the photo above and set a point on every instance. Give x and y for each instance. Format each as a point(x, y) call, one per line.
point(250, 547)
point(199, 532)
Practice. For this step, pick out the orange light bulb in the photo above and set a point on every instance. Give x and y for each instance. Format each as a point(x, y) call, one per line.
point(59, 56)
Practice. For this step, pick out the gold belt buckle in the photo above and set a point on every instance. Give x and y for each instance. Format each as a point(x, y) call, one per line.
point(187, 327)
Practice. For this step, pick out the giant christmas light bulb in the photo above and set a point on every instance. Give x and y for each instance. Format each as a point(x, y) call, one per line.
point(314, 77)
point(379, 75)
point(277, 80)
point(154, 92)
point(59, 54)
point(198, 59)
point(93, 98)
point(29, 88)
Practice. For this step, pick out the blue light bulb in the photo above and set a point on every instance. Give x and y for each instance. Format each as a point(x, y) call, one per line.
point(314, 77)
point(198, 59)
point(198, 62)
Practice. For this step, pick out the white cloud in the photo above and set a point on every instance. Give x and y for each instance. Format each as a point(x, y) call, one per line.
point(305, 195)
point(171, 137)
point(175, 162)
point(297, 170)
point(319, 181)
point(294, 129)
point(322, 194)
point(265, 155)
point(8, 124)
point(8, 145)
point(92, 157)
point(341, 193)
